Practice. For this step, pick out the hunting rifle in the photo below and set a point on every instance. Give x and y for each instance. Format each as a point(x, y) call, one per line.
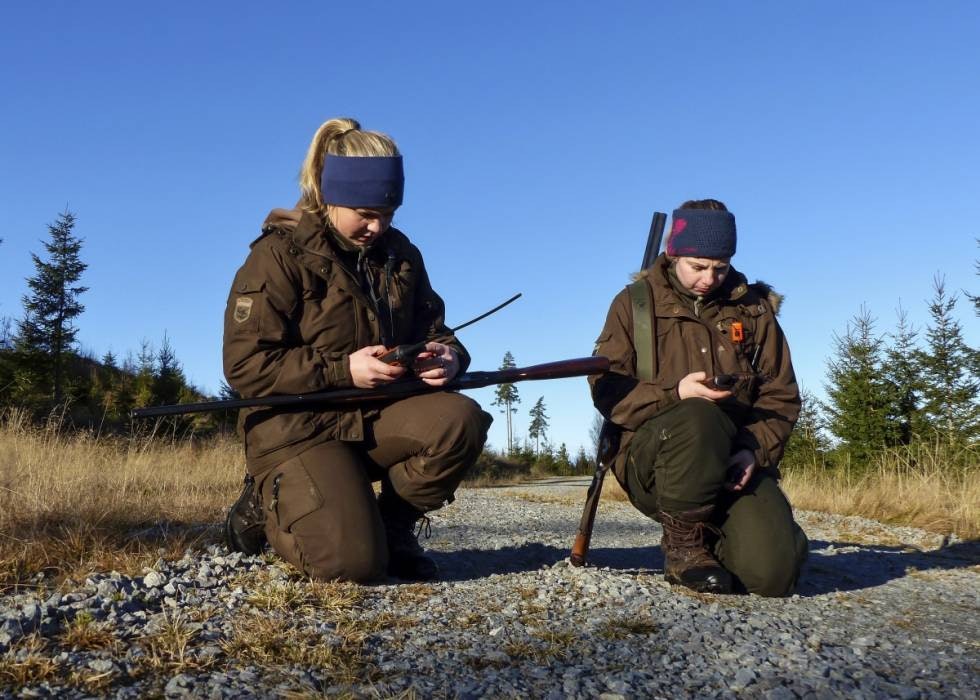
point(577, 367)
point(609, 434)
point(400, 355)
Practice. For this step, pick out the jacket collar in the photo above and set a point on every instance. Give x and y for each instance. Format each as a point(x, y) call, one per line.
point(311, 234)
point(666, 296)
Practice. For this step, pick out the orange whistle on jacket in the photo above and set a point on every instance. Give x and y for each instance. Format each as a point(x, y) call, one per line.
point(737, 332)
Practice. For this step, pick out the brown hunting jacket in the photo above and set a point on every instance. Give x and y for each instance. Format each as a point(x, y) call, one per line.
point(691, 337)
point(298, 307)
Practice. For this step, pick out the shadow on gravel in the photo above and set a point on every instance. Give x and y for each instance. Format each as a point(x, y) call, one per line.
point(465, 564)
point(832, 566)
point(469, 564)
point(636, 559)
point(844, 566)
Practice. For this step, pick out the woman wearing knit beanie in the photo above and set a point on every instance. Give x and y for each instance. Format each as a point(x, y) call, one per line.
point(703, 390)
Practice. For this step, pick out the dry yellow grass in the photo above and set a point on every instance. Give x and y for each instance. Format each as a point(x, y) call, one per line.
point(71, 503)
point(915, 486)
point(923, 485)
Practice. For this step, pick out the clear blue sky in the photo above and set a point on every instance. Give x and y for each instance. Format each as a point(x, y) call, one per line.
point(538, 140)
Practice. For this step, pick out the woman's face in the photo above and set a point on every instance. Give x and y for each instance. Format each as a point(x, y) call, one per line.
point(701, 275)
point(360, 226)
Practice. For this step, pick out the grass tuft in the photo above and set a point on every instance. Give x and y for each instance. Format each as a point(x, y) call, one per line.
point(623, 627)
point(26, 663)
point(85, 634)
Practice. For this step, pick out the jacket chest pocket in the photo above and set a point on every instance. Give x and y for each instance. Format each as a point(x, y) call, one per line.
point(328, 318)
point(740, 330)
point(682, 348)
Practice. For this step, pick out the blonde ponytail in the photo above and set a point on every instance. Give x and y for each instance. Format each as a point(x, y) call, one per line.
point(338, 137)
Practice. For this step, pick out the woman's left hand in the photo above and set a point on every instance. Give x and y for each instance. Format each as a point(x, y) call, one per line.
point(437, 365)
point(741, 467)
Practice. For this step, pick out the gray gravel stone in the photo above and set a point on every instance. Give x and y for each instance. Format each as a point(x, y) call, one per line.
point(884, 612)
point(153, 579)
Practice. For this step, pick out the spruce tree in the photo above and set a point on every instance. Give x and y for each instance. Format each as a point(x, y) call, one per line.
point(169, 385)
point(47, 333)
point(506, 398)
point(105, 394)
point(143, 371)
point(7, 366)
point(807, 442)
point(226, 393)
point(538, 428)
point(109, 360)
point(976, 299)
point(857, 393)
point(583, 465)
point(951, 384)
point(904, 382)
point(562, 461)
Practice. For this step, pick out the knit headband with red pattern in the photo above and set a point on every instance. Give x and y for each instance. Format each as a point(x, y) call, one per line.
point(702, 233)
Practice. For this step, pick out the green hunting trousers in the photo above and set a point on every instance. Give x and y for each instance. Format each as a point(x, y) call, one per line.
point(321, 511)
point(678, 461)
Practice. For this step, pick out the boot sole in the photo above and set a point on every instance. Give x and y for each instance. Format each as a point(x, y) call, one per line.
point(701, 587)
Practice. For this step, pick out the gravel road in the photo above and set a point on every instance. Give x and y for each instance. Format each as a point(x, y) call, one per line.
point(881, 612)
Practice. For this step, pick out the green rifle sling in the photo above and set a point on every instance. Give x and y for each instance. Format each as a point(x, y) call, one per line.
point(643, 320)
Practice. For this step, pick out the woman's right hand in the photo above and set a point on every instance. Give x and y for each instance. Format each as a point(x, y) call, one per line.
point(368, 372)
point(691, 387)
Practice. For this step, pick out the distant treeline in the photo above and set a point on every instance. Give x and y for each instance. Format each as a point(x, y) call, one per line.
point(42, 372)
point(883, 389)
point(893, 389)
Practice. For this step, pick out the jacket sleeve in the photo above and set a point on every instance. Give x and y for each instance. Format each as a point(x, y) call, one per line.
point(262, 354)
point(777, 406)
point(618, 394)
point(430, 315)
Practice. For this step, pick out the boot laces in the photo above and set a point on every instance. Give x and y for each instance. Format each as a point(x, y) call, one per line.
point(688, 535)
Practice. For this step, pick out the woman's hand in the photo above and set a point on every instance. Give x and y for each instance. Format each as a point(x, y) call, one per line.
point(741, 467)
point(436, 365)
point(691, 387)
point(368, 372)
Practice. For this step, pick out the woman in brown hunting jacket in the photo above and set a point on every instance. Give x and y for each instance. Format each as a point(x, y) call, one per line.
point(325, 290)
point(698, 457)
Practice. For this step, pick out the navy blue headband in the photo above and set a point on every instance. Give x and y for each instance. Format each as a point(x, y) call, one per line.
point(363, 181)
point(702, 233)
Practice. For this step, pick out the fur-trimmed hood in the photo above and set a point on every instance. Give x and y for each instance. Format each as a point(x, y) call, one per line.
point(734, 281)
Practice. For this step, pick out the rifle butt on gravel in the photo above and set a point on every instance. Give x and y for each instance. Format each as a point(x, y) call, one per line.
point(605, 454)
point(608, 447)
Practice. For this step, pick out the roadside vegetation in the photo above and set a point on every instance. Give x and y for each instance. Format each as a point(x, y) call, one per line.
point(72, 502)
point(897, 437)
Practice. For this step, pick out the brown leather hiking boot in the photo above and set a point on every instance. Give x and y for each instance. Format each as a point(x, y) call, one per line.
point(687, 559)
point(245, 523)
point(406, 558)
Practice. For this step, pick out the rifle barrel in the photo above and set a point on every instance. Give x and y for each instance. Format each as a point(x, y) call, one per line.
point(470, 380)
point(654, 238)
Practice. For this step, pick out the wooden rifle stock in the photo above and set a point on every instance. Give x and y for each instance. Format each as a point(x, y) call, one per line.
point(561, 369)
point(605, 454)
